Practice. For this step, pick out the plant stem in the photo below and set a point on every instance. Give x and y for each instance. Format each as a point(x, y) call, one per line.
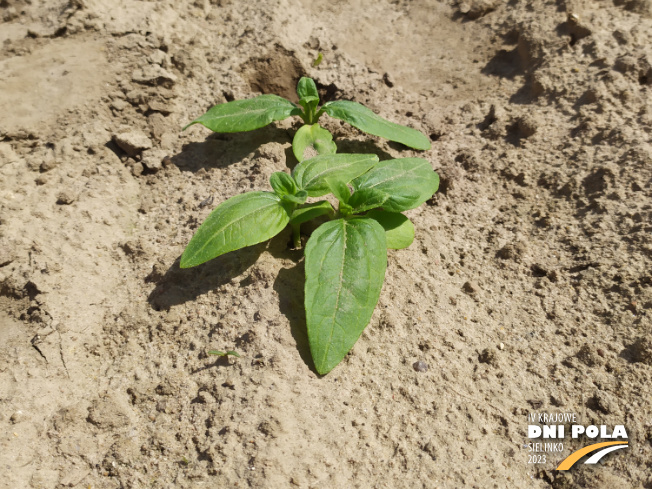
point(296, 235)
point(310, 115)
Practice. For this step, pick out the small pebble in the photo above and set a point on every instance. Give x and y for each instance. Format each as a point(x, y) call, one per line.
point(208, 201)
point(642, 350)
point(526, 126)
point(470, 288)
point(66, 197)
point(119, 105)
point(133, 142)
point(153, 75)
point(488, 355)
point(137, 169)
point(7, 252)
point(388, 79)
point(48, 164)
point(153, 159)
point(18, 417)
point(420, 366)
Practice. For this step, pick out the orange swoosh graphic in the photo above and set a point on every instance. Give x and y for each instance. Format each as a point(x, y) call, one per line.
point(575, 456)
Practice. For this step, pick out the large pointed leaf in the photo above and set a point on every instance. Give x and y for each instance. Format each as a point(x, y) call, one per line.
point(364, 119)
point(247, 115)
point(240, 221)
point(408, 182)
point(345, 269)
point(311, 175)
point(399, 230)
point(312, 140)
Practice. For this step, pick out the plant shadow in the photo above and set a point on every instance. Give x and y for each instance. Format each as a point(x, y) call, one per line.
point(220, 362)
point(220, 150)
point(289, 287)
point(178, 285)
point(364, 147)
point(504, 64)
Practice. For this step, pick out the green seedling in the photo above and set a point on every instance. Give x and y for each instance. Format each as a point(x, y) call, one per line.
point(318, 60)
point(345, 257)
point(224, 353)
point(311, 139)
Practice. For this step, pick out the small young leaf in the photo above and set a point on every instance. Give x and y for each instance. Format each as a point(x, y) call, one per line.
point(310, 211)
point(312, 140)
point(283, 184)
point(309, 101)
point(345, 269)
point(224, 353)
point(408, 182)
point(345, 209)
point(299, 198)
point(399, 230)
point(307, 88)
point(364, 119)
point(318, 60)
point(247, 115)
point(311, 174)
point(366, 199)
point(240, 221)
point(309, 104)
point(339, 189)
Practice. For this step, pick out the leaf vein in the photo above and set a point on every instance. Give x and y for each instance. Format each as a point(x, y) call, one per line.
point(339, 293)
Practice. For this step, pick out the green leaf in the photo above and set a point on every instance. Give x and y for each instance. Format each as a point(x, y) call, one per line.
point(345, 269)
point(339, 189)
point(240, 221)
point(366, 199)
point(345, 209)
point(299, 198)
point(312, 140)
point(310, 211)
point(309, 105)
point(308, 98)
point(364, 119)
point(307, 88)
point(399, 230)
point(311, 174)
point(408, 182)
point(247, 115)
point(224, 353)
point(283, 184)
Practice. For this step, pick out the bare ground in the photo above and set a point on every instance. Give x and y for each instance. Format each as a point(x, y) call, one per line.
point(527, 289)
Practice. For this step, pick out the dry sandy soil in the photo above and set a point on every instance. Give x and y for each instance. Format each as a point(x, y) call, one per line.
point(527, 290)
